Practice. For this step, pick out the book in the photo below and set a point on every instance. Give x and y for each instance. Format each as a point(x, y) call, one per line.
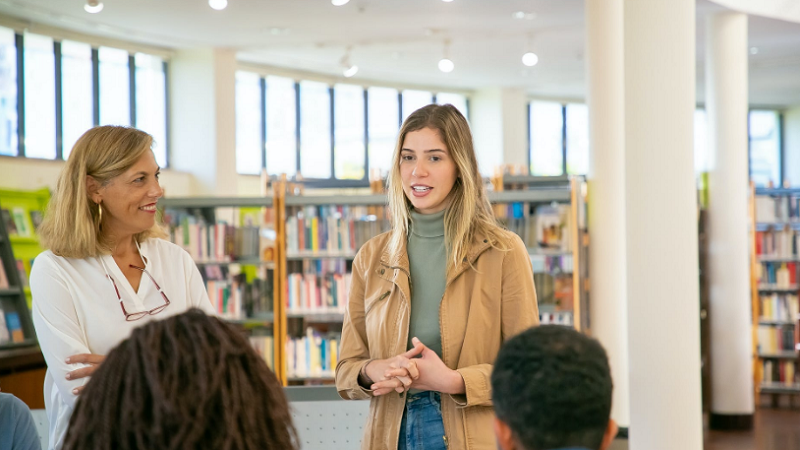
point(23, 226)
point(3, 277)
point(14, 327)
point(11, 226)
point(5, 336)
point(36, 218)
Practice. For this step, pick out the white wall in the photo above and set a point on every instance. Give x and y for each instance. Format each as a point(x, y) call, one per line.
point(791, 142)
point(499, 127)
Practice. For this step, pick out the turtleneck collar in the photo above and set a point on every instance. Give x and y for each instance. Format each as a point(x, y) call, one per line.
point(427, 225)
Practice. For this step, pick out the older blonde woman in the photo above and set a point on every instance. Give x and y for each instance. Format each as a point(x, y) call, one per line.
point(106, 270)
point(432, 300)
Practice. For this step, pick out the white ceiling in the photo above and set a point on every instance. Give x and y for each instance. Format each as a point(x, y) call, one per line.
point(401, 41)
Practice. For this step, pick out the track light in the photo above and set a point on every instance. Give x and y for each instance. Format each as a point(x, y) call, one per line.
point(348, 69)
point(446, 64)
point(219, 5)
point(93, 6)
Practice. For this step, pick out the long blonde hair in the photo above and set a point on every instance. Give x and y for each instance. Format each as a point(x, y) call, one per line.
point(469, 211)
point(71, 225)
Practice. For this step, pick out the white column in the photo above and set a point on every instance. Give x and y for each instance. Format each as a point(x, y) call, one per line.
point(661, 225)
point(728, 256)
point(791, 136)
point(605, 99)
point(203, 118)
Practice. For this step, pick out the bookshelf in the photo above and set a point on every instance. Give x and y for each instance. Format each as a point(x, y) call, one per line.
point(16, 327)
point(315, 238)
point(775, 288)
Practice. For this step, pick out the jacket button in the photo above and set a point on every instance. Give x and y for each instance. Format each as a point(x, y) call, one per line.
point(382, 271)
point(485, 241)
point(465, 259)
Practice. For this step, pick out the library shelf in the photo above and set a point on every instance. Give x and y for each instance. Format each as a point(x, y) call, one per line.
point(215, 202)
point(778, 259)
point(772, 288)
point(9, 291)
point(316, 317)
point(776, 323)
point(786, 354)
point(779, 388)
point(301, 255)
point(242, 262)
point(258, 320)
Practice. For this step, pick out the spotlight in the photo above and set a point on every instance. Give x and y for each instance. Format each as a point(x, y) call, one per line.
point(348, 69)
point(530, 59)
point(348, 72)
point(93, 6)
point(219, 5)
point(339, 2)
point(446, 66)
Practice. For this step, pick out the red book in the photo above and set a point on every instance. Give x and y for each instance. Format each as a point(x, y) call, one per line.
point(759, 243)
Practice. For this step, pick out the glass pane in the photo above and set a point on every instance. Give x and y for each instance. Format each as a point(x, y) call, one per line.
point(577, 139)
point(8, 93)
point(457, 100)
point(546, 130)
point(414, 100)
point(40, 97)
point(281, 126)
point(76, 93)
point(151, 102)
point(248, 123)
point(701, 156)
point(349, 131)
point(765, 147)
point(384, 119)
point(115, 87)
point(315, 130)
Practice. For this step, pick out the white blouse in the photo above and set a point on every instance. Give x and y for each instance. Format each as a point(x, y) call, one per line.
point(75, 310)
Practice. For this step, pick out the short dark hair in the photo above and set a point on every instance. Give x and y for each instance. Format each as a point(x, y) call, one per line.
point(552, 386)
point(188, 381)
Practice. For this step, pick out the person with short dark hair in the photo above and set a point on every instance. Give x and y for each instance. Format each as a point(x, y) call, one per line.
point(186, 382)
point(552, 390)
point(17, 430)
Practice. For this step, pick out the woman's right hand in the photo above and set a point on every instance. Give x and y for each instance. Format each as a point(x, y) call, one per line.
point(93, 362)
point(394, 374)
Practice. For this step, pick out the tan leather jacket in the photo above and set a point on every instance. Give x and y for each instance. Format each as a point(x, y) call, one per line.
point(480, 309)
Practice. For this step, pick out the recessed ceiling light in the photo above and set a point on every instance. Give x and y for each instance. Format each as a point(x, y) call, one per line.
point(522, 15)
point(446, 66)
point(93, 6)
point(219, 5)
point(339, 2)
point(447, 1)
point(753, 50)
point(530, 59)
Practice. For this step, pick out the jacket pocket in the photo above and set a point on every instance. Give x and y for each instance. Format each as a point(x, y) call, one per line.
point(378, 298)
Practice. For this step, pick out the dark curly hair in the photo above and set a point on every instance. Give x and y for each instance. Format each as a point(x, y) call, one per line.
point(552, 386)
point(186, 382)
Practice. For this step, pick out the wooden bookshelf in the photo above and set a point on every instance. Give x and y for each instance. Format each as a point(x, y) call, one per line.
point(13, 304)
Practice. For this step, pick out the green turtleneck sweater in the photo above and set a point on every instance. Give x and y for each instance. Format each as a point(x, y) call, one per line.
point(427, 257)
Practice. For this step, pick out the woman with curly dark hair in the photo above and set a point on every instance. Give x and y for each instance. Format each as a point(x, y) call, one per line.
point(187, 382)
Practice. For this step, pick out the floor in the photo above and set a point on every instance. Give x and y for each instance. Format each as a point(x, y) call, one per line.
point(774, 429)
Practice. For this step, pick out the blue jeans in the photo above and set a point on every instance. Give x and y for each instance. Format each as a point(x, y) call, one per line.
point(422, 427)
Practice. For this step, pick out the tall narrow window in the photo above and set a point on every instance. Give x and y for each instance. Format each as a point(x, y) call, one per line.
point(77, 93)
point(546, 130)
point(9, 142)
point(151, 102)
point(248, 123)
point(281, 124)
point(577, 139)
point(315, 130)
point(40, 97)
point(414, 100)
point(701, 152)
point(457, 100)
point(384, 117)
point(349, 131)
point(115, 87)
point(765, 148)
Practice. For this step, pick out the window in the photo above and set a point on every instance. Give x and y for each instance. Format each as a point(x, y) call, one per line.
point(248, 123)
point(40, 94)
point(414, 100)
point(281, 123)
point(115, 98)
point(315, 130)
point(457, 100)
point(384, 117)
point(701, 156)
point(577, 139)
point(76, 93)
point(151, 102)
point(765, 148)
point(8, 93)
point(546, 138)
point(348, 133)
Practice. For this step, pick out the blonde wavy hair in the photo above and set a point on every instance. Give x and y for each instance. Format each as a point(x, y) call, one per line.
point(71, 227)
point(469, 211)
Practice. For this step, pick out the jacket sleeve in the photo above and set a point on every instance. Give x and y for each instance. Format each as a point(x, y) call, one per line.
point(519, 311)
point(354, 351)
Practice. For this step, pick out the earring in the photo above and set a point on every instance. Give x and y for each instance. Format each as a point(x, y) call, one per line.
point(99, 213)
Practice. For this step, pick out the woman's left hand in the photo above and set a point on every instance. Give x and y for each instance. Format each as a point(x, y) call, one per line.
point(434, 375)
point(93, 362)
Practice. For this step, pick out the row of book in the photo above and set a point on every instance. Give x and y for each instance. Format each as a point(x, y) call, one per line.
point(21, 222)
point(775, 339)
point(778, 208)
point(547, 228)
point(264, 346)
point(556, 318)
point(314, 292)
point(782, 275)
point(10, 327)
point(784, 372)
point(238, 298)
point(313, 355)
point(331, 229)
point(782, 243)
point(554, 265)
point(23, 267)
point(216, 242)
point(779, 307)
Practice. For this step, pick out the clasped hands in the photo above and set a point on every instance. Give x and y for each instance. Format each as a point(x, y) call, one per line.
point(419, 368)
